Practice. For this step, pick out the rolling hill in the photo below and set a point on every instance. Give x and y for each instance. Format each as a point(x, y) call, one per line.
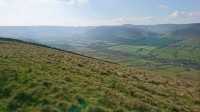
point(38, 78)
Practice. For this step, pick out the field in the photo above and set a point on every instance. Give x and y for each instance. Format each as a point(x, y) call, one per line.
point(34, 78)
point(134, 50)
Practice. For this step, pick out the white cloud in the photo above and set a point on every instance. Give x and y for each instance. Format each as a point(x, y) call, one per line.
point(183, 14)
point(132, 20)
point(182, 17)
point(82, 1)
point(68, 2)
point(75, 2)
point(163, 6)
point(40, 12)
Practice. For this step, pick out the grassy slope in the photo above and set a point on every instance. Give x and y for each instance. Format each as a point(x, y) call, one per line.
point(39, 79)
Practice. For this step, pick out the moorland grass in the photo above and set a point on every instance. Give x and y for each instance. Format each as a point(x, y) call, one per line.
point(40, 79)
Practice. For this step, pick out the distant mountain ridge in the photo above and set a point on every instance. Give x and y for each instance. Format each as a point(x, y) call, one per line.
point(95, 32)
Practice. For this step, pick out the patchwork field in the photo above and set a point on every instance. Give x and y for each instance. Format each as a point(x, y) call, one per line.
point(134, 50)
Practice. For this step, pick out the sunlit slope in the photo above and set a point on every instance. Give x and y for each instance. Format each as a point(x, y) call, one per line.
point(35, 78)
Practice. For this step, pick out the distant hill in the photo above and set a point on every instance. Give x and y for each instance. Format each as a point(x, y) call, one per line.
point(38, 78)
point(100, 32)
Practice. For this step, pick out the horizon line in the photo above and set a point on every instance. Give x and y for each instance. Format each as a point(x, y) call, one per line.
point(95, 25)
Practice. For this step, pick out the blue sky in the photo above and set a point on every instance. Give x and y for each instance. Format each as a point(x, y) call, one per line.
point(97, 12)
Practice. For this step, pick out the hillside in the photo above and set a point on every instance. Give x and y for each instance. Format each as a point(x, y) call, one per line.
point(35, 78)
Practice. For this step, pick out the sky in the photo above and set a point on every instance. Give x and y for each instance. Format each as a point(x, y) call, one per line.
point(98, 12)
